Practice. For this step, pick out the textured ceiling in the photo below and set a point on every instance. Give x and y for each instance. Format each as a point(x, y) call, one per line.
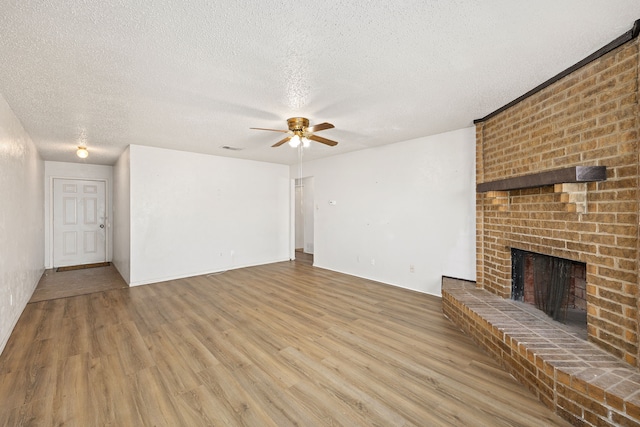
point(197, 75)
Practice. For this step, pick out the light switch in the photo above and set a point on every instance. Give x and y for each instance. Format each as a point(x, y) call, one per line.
point(333, 202)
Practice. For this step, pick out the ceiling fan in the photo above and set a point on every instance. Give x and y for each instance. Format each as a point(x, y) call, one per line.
point(301, 133)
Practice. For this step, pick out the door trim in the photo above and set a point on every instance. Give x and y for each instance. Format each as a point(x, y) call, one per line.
point(107, 208)
point(292, 219)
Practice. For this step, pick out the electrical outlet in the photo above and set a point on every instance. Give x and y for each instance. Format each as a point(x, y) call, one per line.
point(412, 269)
point(373, 261)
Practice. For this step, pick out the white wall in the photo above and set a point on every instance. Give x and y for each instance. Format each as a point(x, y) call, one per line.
point(21, 220)
point(74, 171)
point(397, 206)
point(122, 216)
point(193, 214)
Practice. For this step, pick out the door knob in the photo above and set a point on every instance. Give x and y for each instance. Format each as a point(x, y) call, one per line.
point(101, 225)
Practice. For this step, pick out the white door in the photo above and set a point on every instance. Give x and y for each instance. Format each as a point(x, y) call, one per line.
point(79, 222)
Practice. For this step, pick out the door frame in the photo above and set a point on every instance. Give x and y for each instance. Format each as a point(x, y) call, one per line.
point(292, 219)
point(107, 209)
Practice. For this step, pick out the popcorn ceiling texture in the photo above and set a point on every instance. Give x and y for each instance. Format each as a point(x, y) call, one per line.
point(194, 76)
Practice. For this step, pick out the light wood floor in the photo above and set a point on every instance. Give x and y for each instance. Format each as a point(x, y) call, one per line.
point(277, 345)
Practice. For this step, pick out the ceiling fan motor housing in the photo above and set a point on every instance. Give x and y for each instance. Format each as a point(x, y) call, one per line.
point(298, 124)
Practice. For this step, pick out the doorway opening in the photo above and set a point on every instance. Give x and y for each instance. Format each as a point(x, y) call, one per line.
point(304, 218)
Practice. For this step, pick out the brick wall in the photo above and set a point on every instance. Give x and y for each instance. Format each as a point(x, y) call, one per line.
point(589, 117)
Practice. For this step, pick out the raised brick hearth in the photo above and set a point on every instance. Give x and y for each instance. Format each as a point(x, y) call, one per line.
point(582, 382)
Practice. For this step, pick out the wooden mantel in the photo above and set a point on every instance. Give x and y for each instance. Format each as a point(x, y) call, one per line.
point(574, 174)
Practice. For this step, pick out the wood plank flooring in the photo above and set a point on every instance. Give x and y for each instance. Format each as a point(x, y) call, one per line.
point(284, 344)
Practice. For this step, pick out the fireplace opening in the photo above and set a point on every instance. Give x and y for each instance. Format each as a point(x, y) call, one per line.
point(556, 286)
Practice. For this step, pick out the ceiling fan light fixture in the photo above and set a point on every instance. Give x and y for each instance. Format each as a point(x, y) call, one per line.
point(301, 134)
point(82, 152)
point(295, 141)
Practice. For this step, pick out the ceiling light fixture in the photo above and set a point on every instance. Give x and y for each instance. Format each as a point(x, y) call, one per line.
point(82, 152)
point(295, 141)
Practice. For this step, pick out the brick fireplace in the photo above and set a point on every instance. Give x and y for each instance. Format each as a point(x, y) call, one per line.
point(586, 117)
